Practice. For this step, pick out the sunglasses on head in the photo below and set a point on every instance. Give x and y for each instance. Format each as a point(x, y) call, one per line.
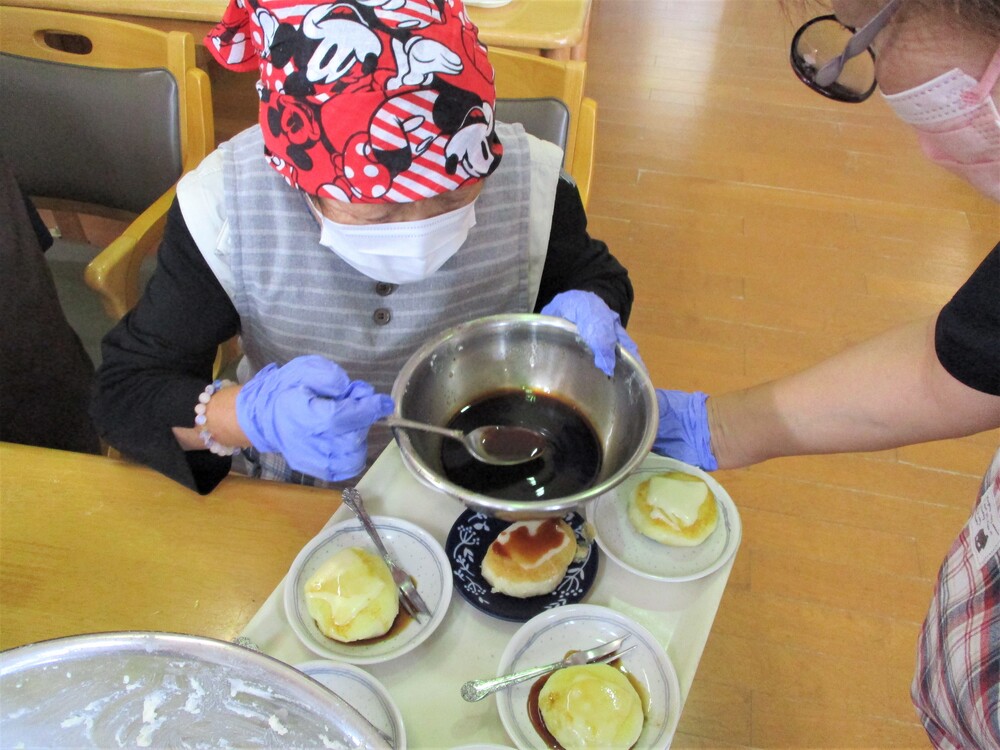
point(836, 60)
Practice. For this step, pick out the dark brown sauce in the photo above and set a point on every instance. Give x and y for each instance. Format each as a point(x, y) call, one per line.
point(524, 545)
point(535, 711)
point(569, 464)
point(535, 714)
point(513, 443)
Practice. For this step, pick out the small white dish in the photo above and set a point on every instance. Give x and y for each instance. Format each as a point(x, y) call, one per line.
point(417, 551)
point(488, 3)
point(547, 637)
point(364, 693)
point(643, 556)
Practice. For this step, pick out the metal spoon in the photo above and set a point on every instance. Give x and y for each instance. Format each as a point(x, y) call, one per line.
point(500, 445)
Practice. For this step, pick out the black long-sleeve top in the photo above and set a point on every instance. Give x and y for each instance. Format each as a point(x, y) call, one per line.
point(159, 357)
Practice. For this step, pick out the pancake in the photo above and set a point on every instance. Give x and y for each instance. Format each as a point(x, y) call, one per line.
point(591, 706)
point(530, 558)
point(674, 508)
point(352, 596)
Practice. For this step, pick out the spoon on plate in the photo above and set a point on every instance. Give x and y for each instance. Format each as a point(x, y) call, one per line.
point(499, 445)
point(476, 690)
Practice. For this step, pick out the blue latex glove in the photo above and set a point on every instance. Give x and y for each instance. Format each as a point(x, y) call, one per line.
point(599, 327)
point(313, 414)
point(683, 430)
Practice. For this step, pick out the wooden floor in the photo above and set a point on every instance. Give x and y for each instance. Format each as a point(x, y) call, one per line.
point(764, 228)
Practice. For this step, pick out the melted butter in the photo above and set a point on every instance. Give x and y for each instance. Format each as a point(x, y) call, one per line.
point(352, 589)
point(573, 707)
point(676, 498)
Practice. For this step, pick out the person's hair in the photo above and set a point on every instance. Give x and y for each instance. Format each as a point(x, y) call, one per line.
point(981, 16)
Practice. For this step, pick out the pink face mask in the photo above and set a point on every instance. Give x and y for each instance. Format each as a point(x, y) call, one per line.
point(957, 123)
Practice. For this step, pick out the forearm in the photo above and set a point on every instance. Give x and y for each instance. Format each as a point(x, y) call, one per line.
point(220, 421)
point(159, 358)
point(883, 393)
point(141, 392)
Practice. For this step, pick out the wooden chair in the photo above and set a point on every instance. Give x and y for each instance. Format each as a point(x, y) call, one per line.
point(102, 117)
point(520, 76)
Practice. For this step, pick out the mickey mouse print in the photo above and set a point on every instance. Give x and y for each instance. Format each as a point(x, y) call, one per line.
point(367, 101)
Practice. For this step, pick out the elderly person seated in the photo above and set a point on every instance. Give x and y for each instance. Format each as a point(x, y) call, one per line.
point(377, 203)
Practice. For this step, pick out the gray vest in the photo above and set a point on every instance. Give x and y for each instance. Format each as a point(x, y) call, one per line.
point(296, 297)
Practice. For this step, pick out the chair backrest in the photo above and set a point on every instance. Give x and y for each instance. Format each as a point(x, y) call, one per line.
point(546, 117)
point(99, 111)
point(99, 116)
point(90, 135)
point(520, 77)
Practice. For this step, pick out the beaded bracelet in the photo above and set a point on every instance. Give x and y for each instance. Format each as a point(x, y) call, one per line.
point(199, 419)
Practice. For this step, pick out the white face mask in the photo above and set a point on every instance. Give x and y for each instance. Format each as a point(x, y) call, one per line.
point(400, 252)
point(957, 123)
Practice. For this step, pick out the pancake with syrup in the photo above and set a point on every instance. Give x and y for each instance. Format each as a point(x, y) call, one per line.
point(530, 558)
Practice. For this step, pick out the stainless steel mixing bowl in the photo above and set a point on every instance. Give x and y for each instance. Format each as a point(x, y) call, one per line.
point(536, 352)
point(136, 689)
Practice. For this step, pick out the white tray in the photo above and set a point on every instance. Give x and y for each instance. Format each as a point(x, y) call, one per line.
point(425, 683)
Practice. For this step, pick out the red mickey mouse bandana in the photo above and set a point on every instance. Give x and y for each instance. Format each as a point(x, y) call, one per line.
point(367, 101)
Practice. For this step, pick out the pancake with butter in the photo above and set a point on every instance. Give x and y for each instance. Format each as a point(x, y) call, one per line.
point(674, 508)
point(352, 596)
point(591, 706)
point(530, 558)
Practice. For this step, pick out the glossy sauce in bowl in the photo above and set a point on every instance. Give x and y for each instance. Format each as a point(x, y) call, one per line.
point(570, 463)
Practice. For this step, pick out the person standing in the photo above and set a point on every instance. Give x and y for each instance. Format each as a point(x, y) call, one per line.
point(937, 64)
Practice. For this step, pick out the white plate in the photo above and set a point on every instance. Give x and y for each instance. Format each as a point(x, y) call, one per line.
point(416, 550)
point(645, 557)
point(487, 3)
point(547, 637)
point(364, 693)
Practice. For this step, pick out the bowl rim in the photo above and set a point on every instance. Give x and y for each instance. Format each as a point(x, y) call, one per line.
point(514, 509)
point(160, 647)
point(320, 669)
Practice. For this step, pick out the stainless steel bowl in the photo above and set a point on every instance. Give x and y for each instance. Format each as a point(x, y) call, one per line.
point(135, 689)
point(536, 352)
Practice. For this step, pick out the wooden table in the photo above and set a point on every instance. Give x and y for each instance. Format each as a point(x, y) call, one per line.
point(554, 28)
point(91, 544)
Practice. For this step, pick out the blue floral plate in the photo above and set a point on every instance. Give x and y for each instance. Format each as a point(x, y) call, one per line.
point(470, 537)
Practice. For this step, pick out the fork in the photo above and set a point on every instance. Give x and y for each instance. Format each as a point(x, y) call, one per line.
point(476, 690)
point(411, 600)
